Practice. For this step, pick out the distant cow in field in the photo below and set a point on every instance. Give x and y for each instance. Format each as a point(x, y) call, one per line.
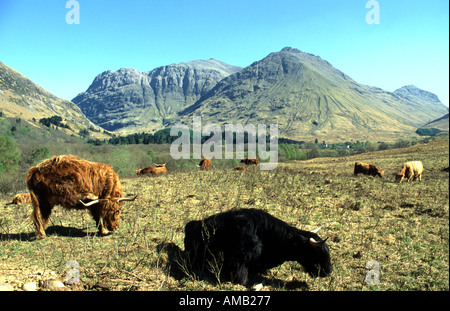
point(242, 243)
point(367, 169)
point(74, 183)
point(248, 161)
point(158, 170)
point(410, 170)
point(205, 164)
point(241, 168)
point(21, 198)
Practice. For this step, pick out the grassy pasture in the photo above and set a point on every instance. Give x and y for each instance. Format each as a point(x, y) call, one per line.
point(404, 227)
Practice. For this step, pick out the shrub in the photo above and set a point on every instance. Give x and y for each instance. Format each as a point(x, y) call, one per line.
point(39, 154)
point(9, 155)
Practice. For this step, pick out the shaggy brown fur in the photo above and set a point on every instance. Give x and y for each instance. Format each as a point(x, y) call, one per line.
point(159, 170)
point(410, 170)
point(205, 164)
point(21, 198)
point(70, 181)
point(367, 169)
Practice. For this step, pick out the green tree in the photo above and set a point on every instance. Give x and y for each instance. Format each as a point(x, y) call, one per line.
point(151, 155)
point(313, 153)
point(39, 154)
point(9, 155)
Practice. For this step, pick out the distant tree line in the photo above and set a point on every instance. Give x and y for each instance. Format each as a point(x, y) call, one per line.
point(428, 132)
point(55, 120)
point(163, 137)
point(289, 149)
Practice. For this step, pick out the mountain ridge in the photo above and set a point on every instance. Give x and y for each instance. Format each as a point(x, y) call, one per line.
point(128, 100)
point(22, 98)
point(301, 92)
point(307, 96)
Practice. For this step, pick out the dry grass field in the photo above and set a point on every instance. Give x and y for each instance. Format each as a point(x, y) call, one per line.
point(403, 227)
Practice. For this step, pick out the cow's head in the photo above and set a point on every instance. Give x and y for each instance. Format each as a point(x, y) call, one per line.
point(381, 174)
point(312, 253)
point(110, 210)
point(111, 213)
point(399, 177)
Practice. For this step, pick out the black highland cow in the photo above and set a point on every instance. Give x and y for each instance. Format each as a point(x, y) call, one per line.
point(242, 243)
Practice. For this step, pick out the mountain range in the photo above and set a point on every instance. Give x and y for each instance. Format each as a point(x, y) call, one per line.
point(302, 93)
point(305, 95)
point(128, 100)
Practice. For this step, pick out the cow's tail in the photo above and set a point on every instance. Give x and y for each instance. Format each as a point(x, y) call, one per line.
point(37, 216)
point(31, 179)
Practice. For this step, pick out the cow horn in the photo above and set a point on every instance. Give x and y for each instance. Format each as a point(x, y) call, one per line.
point(127, 199)
point(90, 203)
point(315, 243)
point(317, 229)
point(98, 200)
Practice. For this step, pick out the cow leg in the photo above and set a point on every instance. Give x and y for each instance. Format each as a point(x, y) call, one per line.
point(41, 214)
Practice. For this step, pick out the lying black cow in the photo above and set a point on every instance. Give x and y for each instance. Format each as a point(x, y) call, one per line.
point(242, 243)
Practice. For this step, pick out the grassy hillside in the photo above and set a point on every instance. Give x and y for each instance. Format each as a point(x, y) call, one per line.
point(22, 98)
point(404, 227)
point(441, 124)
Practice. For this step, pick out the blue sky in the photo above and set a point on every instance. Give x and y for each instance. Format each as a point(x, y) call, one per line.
point(410, 45)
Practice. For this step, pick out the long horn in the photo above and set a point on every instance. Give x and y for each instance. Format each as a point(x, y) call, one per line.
point(127, 199)
point(317, 229)
point(90, 203)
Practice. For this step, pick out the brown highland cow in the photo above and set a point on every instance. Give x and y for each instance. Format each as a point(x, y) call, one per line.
point(75, 183)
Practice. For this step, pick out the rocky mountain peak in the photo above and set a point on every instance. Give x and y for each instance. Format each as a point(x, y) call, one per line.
point(413, 91)
point(305, 95)
point(131, 100)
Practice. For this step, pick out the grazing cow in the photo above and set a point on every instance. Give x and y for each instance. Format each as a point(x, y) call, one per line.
point(159, 170)
point(21, 198)
point(410, 170)
point(367, 169)
point(248, 161)
point(239, 244)
point(74, 183)
point(205, 164)
point(241, 168)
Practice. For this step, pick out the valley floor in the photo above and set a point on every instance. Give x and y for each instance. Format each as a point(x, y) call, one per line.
point(403, 227)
